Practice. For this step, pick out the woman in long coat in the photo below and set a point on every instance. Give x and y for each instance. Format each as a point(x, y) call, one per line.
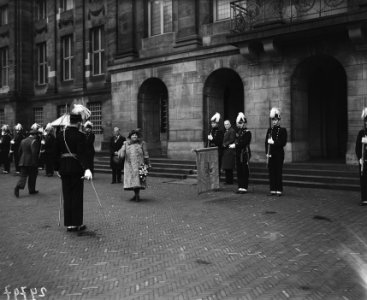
point(135, 153)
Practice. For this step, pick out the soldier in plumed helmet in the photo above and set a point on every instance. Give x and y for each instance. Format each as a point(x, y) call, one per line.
point(360, 149)
point(275, 141)
point(90, 138)
point(15, 144)
point(215, 137)
point(5, 140)
point(243, 153)
point(72, 165)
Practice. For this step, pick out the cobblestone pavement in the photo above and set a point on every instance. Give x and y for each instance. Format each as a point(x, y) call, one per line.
point(175, 244)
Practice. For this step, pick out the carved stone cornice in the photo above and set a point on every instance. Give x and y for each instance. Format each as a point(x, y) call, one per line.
point(40, 27)
point(95, 11)
point(358, 36)
point(66, 19)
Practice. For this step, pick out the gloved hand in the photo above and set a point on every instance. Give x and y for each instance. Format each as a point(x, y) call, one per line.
point(361, 161)
point(232, 146)
point(270, 141)
point(88, 174)
point(364, 140)
point(210, 137)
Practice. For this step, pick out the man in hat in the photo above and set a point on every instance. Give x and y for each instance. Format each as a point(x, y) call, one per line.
point(90, 138)
point(116, 142)
point(5, 140)
point(275, 141)
point(243, 153)
point(215, 137)
point(229, 153)
point(360, 149)
point(28, 162)
point(15, 144)
point(72, 165)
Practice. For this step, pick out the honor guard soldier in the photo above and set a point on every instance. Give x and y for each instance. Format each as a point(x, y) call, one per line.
point(243, 153)
point(215, 137)
point(5, 140)
point(90, 138)
point(71, 163)
point(275, 140)
point(29, 150)
point(15, 144)
point(361, 146)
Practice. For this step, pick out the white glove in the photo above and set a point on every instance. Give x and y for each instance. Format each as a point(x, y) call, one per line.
point(43, 142)
point(210, 137)
point(232, 146)
point(88, 174)
point(364, 140)
point(12, 142)
point(270, 141)
point(361, 161)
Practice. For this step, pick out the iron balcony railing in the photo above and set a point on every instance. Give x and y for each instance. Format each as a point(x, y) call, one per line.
point(246, 15)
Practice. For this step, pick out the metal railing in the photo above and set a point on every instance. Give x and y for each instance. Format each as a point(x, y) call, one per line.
point(246, 15)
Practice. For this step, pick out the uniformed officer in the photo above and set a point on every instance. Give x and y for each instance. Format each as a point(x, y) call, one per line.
point(243, 153)
point(90, 138)
point(72, 165)
point(275, 140)
point(361, 147)
point(215, 137)
point(15, 144)
point(5, 140)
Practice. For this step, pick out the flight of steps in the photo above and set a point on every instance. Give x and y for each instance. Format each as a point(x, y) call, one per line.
point(309, 174)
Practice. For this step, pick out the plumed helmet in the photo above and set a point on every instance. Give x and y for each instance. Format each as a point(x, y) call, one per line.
point(34, 128)
point(364, 113)
point(275, 113)
point(215, 118)
point(18, 127)
point(241, 118)
point(5, 127)
point(88, 124)
point(81, 110)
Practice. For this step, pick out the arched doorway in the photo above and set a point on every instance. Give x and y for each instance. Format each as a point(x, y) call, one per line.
point(223, 93)
point(153, 115)
point(319, 110)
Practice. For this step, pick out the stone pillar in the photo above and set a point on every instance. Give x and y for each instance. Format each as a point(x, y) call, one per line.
point(187, 21)
point(126, 27)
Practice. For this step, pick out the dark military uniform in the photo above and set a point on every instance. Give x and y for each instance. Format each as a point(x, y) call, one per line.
point(217, 141)
point(49, 153)
point(243, 154)
point(71, 161)
point(116, 143)
point(5, 151)
point(19, 136)
point(275, 165)
point(362, 175)
point(90, 137)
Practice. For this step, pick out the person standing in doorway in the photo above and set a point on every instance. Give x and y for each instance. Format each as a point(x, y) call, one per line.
point(243, 153)
point(275, 141)
point(215, 137)
point(116, 142)
point(229, 152)
point(360, 149)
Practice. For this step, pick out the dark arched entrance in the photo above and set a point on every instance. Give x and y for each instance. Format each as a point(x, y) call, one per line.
point(223, 93)
point(153, 115)
point(319, 110)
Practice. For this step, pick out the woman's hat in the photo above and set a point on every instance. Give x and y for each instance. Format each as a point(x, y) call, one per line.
point(136, 131)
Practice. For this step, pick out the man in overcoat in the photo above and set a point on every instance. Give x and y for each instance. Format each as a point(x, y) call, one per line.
point(229, 153)
point(116, 142)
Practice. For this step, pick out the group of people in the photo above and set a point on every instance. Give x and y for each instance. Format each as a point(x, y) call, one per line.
point(234, 150)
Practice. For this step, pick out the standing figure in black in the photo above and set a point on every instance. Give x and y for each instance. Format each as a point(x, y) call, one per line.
point(215, 137)
point(116, 164)
point(90, 137)
point(49, 147)
point(361, 148)
point(243, 153)
point(229, 153)
point(28, 162)
point(5, 140)
point(15, 144)
point(275, 140)
point(72, 165)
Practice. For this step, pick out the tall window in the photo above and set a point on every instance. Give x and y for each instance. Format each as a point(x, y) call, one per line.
point(222, 9)
point(96, 116)
point(3, 15)
point(41, 9)
point(66, 4)
point(42, 63)
point(67, 57)
point(4, 65)
point(159, 16)
point(97, 51)
point(38, 115)
point(62, 109)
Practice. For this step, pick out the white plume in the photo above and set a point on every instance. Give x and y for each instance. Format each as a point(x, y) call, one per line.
point(364, 113)
point(35, 126)
point(48, 126)
point(88, 123)
point(81, 110)
point(215, 118)
point(18, 127)
point(274, 112)
point(240, 118)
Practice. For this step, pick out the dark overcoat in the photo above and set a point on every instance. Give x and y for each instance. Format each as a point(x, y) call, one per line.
point(229, 155)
